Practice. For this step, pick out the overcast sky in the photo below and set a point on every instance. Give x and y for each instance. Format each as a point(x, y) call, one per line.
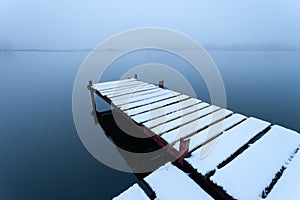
point(69, 24)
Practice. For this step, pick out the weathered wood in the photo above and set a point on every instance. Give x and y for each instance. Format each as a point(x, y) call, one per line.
point(183, 150)
point(161, 84)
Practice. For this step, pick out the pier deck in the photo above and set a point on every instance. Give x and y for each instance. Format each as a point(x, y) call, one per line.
point(248, 158)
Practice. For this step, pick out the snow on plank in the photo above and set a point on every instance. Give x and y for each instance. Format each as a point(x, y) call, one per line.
point(194, 126)
point(122, 87)
point(155, 105)
point(168, 182)
point(174, 115)
point(134, 96)
point(183, 120)
point(251, 172)
point(167, 94)
point(212, 131)
point(114, 84)
point(287, 186)
point(109, 83)
point(165, 110)
point(115, 92)
point(227, 144)
point(146, 99)
point(136, 92)
point(134, 192)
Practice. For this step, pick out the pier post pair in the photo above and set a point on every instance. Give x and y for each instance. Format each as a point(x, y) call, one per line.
point(160, 83)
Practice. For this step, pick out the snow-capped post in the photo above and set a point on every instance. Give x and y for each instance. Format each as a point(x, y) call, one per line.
point(89, 86)
point(183, 150)
point(135, 76)
point(92, 90)
point(161, 84)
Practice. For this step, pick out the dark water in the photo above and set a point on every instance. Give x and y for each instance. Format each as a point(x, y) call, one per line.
point(41, 156)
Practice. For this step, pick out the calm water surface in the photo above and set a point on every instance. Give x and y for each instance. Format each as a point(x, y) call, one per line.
point(41, 156)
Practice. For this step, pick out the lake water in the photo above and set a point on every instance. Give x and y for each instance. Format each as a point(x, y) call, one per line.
point(41, 156)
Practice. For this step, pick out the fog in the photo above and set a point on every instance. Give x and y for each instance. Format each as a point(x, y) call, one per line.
point(67, 24)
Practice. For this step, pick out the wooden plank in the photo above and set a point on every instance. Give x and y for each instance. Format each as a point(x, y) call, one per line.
point(183, 120)
point(143, 117)
point(193, 127)
point(155, 105)
point(108, 83)
point(202, 137)
point(169, 182)
point(139, 91)
point(256, 167)
point(122, 98)
point(167, 94)
point(175, 115)
point(287, 186)
point(146, 89)
point(228, 143)
point(123, 85)
point(115, 91)
point(112, 84)
point(145, 99)
point(134, 192)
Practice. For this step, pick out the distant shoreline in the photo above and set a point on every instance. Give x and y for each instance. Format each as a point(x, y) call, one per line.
point(208, 49)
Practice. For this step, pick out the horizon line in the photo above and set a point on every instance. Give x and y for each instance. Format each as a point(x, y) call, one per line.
point(208, 49)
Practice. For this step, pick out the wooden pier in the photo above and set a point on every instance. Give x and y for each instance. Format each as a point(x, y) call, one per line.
point(248, 158)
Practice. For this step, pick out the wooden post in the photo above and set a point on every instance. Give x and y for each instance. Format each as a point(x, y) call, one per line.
point(89, 86)
point(93, 113)
point(183, 150)
point(161, 84)
point(135, 76)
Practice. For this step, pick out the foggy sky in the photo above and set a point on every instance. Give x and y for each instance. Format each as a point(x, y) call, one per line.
point(66, 24)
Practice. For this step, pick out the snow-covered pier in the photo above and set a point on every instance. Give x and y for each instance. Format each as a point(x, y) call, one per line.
point(221, 154)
